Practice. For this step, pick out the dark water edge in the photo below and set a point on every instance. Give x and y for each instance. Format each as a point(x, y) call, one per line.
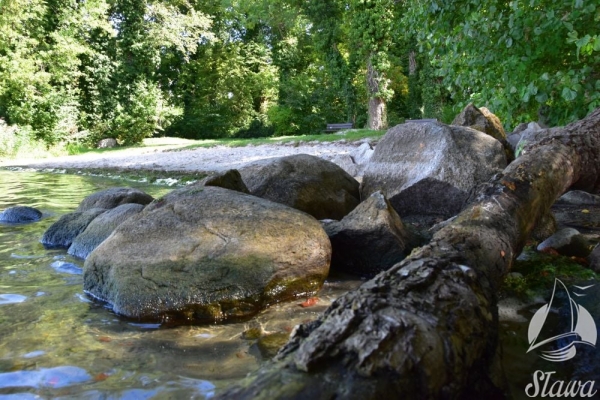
point(57, 343)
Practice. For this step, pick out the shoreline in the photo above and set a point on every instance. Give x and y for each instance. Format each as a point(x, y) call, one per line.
point(170, 160)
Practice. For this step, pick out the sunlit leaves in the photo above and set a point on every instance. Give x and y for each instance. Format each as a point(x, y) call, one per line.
point(523, 56)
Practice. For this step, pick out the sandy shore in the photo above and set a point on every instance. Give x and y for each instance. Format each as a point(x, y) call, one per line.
point(167, 157)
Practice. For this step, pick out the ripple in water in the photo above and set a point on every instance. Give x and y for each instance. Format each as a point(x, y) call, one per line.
point(12, 298)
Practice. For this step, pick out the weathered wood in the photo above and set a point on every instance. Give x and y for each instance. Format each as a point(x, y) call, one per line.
point(428, 327)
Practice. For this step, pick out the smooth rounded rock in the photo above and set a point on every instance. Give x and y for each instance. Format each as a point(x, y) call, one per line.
point(210, 255)
point(304, 182)
point(100, 228)
point(65, 230)
point(20, 214)
point(113, 197)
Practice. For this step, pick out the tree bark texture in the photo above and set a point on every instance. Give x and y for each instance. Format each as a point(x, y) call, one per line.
point(428, 327)
point(377, 111)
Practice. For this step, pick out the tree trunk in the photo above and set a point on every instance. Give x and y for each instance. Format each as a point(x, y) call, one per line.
point(376, 84)
point(428, 327)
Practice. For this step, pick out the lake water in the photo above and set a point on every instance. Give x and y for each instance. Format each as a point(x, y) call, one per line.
point(56, 343)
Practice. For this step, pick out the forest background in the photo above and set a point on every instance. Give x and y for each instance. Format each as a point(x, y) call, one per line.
point(73, 72)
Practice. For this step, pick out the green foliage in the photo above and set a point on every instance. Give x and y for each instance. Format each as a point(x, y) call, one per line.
point(79, 71)
point(282, 119)
point(258, 129)
point(73, 72)
point(524, 59)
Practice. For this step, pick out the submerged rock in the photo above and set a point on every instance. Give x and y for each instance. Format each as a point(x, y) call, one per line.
point(307, 183)
point(20, 214)
point(100, 228)
point(370, 239)
point(113, 197)
point(430, 168)
point(209, 255)
point(65, 230)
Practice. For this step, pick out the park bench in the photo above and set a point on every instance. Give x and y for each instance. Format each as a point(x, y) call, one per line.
point(422, 120)
point(339, 127)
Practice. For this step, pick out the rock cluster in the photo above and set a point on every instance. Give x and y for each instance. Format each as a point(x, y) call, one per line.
point(233, 243)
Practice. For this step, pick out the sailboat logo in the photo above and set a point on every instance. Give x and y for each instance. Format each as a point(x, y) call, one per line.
point(582, 327)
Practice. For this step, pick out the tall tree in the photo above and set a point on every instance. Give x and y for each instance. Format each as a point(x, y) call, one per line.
point(370, 26)
point(231, 80)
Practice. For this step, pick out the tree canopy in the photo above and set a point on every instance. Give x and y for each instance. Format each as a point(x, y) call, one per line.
point(79, 71)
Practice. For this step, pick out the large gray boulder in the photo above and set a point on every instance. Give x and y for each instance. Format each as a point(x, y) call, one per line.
point(100, 228)
point(430, 168)
point(370, 239)
point(214, 255)
point(113, 197)
point(304, 182)
point(65, 230)
point(20, 214)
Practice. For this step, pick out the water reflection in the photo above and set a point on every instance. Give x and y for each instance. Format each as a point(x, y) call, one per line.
point(67, 267)
point(56, 377)
point(12, 298)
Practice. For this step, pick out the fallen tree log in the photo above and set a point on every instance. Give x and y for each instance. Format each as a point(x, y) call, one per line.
point(428, 327)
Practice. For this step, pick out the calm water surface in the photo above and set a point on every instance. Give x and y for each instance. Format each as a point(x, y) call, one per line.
point(56, 343)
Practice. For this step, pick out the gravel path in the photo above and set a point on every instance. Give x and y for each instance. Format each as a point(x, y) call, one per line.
point(167, 158)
